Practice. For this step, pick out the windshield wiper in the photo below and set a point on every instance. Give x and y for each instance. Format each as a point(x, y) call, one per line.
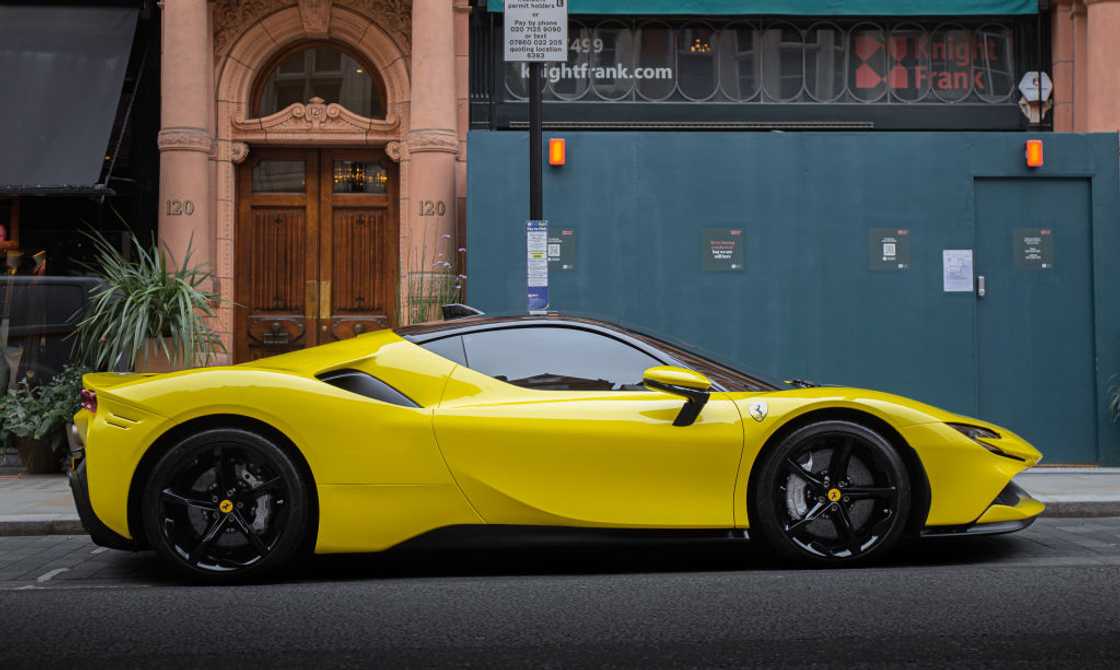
point(802, 383)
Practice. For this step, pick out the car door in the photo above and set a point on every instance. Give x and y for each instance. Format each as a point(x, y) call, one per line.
point(550, 425)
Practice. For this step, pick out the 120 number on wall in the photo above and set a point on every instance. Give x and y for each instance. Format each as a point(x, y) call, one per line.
point(180, 208)
point(432, 208)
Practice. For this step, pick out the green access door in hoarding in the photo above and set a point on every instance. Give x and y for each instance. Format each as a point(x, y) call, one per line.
point(1034, 319)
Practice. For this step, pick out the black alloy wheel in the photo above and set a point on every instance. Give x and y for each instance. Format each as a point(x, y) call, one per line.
point(833, 492)
point(226, 505)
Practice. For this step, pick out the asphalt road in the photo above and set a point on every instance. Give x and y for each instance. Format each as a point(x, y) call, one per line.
point(1048, 597)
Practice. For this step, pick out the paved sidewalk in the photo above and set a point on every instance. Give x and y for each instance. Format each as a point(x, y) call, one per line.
point(1074, 492)
point(41, 504)
point(37, 505)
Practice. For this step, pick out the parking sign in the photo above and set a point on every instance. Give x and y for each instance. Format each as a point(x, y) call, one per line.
point(536, 31)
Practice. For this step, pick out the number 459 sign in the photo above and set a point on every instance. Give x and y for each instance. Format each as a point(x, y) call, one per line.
point(536, 30)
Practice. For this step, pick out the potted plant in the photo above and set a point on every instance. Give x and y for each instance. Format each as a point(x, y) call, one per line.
point(35, 415)
point(146, 315)
point(435, 284)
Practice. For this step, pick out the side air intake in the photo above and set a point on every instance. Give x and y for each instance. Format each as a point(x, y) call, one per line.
point(365, 384)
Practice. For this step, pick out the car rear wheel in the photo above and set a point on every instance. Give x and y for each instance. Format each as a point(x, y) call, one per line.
point(226, 505)
point(833, 492)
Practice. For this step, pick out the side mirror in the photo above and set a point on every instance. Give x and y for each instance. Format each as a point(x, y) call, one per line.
point(689, 384)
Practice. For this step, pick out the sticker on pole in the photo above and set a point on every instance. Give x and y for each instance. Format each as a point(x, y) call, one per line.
point(536, 31)
point(536, 244)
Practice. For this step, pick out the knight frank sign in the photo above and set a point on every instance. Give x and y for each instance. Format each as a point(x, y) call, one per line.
point(536, 30)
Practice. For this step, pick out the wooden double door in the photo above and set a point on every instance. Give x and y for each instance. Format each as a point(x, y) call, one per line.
point(316, 248)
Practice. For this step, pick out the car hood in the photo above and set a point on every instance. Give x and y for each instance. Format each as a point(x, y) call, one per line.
point(900, 409)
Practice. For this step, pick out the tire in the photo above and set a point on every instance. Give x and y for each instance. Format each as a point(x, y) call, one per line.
point(816, 507)
point(226, 505)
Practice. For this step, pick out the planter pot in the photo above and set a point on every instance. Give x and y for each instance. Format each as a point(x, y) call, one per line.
point(38, 455)
point(152, 359)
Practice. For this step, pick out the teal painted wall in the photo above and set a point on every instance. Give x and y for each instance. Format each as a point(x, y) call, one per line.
point(806, 304)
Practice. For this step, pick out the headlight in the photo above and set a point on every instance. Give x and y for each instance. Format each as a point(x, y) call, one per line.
point(978, 434)
point(975, 433)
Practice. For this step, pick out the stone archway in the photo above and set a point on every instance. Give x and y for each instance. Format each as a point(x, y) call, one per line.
point(246, 42)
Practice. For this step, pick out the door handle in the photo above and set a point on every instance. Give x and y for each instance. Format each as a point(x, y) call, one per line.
point(325, 300)
point(981, 286)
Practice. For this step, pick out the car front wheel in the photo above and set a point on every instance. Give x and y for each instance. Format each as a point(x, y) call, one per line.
point(833, 492)
point(226, 505)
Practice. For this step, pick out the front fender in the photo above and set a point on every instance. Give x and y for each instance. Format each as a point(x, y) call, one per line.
point(964, 478)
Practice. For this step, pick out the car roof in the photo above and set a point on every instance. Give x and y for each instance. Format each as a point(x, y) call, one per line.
point(434, 330)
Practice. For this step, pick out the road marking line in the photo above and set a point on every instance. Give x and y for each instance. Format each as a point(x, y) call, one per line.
point(47, 576)
point(100, 550)
point(73, 587)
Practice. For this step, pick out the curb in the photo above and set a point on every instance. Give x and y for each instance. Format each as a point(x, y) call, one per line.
point(40, 524)
point(1072, 506)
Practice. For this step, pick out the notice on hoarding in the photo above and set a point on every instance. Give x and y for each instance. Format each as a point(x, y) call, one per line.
point(723, 250)
point(888, 249)
point(957, 270)
point(536, 31)
point(562, 249)
point(536, 244)
point(1034, 248)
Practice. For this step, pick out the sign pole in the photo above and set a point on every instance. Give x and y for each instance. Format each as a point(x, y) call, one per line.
point(536, 32)
point(536, 144)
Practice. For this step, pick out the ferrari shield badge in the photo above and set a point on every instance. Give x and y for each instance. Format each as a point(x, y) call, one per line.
point(757, 410)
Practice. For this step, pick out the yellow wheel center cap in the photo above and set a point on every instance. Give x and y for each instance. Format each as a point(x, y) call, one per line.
point(226, 506)
point(834, 495)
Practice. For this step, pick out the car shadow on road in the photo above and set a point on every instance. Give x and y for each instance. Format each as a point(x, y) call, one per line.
point(641, 557)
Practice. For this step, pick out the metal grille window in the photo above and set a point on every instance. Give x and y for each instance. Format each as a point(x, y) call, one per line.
point(777, 61)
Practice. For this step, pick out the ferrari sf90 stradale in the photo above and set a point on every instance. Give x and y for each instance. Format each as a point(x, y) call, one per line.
point(521, 424)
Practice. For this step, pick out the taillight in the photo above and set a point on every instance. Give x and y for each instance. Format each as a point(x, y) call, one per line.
point(88, 400)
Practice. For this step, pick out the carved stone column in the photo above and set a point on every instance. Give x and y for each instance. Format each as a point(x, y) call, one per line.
point(1080, 37)
point(1062, 64)
point(432, 141)
point(185, 141)
point(1102, 88)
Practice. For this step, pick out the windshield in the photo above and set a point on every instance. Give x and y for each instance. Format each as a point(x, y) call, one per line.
point(722, 374)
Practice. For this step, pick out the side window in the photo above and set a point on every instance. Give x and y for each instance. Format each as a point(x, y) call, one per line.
point(450, 348)
point(557, 359)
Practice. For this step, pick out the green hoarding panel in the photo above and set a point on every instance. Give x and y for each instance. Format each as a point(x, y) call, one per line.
point(799, 7)
point(781, 253)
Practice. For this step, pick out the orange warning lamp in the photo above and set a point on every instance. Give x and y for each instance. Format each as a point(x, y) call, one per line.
point(557, 152)
point(1034, 153)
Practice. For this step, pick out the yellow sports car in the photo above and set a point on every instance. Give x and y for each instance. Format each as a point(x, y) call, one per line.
point(521, 424)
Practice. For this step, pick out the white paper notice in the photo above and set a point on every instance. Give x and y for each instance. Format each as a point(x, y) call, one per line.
point(957, 270)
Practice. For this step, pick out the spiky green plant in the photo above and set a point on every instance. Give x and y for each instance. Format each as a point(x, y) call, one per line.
point(436, 284)
point(146, 299)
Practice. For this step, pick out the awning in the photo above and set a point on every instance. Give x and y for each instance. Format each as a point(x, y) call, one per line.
point(63, 70)
point(798, 7)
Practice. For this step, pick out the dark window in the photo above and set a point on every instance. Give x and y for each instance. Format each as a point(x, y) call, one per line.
point(279, 176)
point(557, 359)
point(360, 177)
point(450, 348)
point(363, 384)
point(886, 73)
point(863, 61)
point(321, 71)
